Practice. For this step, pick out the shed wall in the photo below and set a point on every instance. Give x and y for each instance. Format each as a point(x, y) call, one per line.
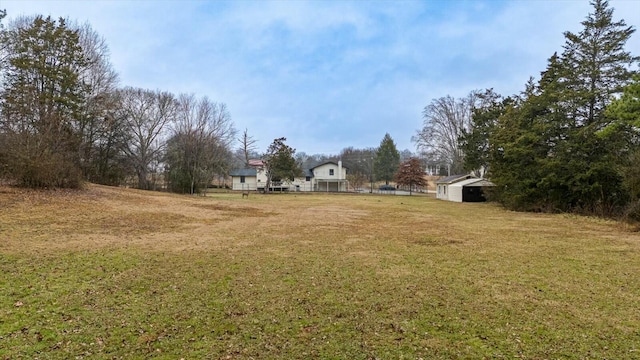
point(455, 193)
point(442, 192)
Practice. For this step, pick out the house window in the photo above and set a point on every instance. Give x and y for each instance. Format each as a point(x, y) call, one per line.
point(444, 189)
point(242, 179)
point(308, 178)
point(331, 172)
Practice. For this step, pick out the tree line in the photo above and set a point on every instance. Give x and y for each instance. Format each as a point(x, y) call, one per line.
point(570, 142)
point(64, 119)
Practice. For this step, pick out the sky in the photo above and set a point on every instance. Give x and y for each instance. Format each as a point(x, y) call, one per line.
point(329, 74)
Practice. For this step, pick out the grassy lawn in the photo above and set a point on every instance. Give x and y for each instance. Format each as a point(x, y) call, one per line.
point(112, 273)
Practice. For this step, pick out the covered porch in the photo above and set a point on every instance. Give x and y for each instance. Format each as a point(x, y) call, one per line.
point(331, 185)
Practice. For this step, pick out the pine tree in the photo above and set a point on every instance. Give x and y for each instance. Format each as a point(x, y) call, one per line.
point(625, 113)
point(596, 68)
point(597, 64)
point(516, 149)
point(387, 160)
point(553, 151)
point(626, 109)
point(42, 97)
point(280, 164)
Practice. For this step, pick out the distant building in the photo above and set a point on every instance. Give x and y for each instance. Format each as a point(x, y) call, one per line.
point(328, 176)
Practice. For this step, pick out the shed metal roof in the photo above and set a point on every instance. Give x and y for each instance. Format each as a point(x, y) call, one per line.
point(475, 182)
point(454, 178)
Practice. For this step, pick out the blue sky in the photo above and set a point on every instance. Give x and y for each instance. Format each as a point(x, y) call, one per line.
point(329, 74)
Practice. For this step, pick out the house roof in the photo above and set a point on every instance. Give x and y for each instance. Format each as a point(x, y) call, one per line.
point(454, 178)
point(474, 182)
point(327, 162)
point(243, 172)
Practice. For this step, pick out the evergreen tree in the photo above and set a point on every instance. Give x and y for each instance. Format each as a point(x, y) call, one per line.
point(280, 164)
point(626, 110)
point(596, 68)
point(556, 155)
point(96, 120)
point(626, 126)
point(525, 160)
point(41, 107)
point(387, 160)
point(597, 64)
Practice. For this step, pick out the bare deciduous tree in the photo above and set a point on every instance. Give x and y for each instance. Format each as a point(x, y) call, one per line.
point(444, 121)
point(200, 144)
point(146, 114)
point(247, 146)
point(3, 41)
point(359, 163)
point(98, 112)
point(356, 180)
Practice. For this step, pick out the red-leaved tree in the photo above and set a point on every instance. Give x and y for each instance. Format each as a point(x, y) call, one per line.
point(410, 173)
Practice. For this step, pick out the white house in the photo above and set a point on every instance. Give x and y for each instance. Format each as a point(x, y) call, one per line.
point(244, 179)
point(462, 188)
point(328, 176)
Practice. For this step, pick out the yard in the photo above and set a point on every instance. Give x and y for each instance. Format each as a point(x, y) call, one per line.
point(116, 273)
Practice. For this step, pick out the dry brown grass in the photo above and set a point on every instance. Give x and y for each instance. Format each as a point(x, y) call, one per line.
point(143, 274)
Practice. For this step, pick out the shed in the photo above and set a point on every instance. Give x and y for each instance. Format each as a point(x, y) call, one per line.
point(469, 190)
point(443, 184)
